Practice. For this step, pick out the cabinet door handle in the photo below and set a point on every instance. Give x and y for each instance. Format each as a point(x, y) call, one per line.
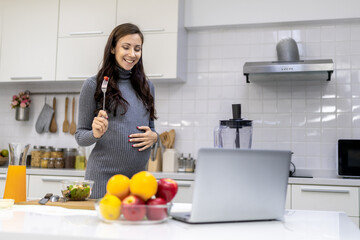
point(305, 189)
point(86, 33)
point(155, 75)
point(55, 179)
point(184, 185)
point(153, 30)
point(22, 78)
point(78, 77)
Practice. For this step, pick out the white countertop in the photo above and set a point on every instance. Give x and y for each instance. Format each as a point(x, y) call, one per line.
point(46, 222)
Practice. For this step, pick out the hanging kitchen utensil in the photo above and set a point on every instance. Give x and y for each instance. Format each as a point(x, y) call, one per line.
point(73, 125)
point(66, 122)
point(44, 119)
point(53, 126)
point(171, 138)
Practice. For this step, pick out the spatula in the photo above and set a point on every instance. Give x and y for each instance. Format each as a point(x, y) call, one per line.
point(73, 125)
point(66, 122)
point(53, 126)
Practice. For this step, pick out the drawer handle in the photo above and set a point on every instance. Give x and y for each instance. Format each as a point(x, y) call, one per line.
point(52, 179)
point(153, 30)
point(86, 33)
point(184, 185)
point(325, 190)
point(78, 77)
point(155, 75)
point(22, 78)
point(2, 177)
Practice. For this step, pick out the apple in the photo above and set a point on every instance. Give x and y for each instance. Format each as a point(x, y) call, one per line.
point(167, 189)
point(156, 213)
point(133, 208)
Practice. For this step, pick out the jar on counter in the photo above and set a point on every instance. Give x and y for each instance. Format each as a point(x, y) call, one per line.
point(51, 163)
point(189, 164)
point(80, 160)
point(46, 153)
point(57, 153)
point(44, 162)
point(70, 157)
point(36, 156)
point(181, 165)
point(59, 163)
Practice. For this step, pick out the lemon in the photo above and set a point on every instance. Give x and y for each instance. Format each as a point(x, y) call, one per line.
point(110, 207)
point(4, 153)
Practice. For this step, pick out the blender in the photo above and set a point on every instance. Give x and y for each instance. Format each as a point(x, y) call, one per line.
point(235, 132)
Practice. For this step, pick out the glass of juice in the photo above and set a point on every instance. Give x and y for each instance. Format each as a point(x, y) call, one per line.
point(15, 185)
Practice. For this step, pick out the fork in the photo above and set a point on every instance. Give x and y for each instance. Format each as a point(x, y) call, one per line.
point(103, 88)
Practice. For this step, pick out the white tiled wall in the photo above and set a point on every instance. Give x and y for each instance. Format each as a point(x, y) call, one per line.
point(306, 117)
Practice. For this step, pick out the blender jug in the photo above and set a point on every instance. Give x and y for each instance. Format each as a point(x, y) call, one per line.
point(15, 185)
point(235, 132)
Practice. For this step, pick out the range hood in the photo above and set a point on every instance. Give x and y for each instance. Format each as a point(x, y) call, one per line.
point(289, 66)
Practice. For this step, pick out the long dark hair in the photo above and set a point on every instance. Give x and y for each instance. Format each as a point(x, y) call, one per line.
point(110, 67)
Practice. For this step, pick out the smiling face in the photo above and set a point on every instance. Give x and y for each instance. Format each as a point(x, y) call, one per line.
point(128, 51)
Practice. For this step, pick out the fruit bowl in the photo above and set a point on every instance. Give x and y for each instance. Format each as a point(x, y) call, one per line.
point(3, 160)
point(76, 190)
point(135, 214)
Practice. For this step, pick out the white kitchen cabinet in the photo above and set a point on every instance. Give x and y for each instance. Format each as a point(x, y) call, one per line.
point(327, 198)
point(288, 198)
point(29, 37)
point(39, 185)
point(162, 23)
point(86, 17)
point(2, 184)
point(151, 16)
point(185, 192)
point(79, 58)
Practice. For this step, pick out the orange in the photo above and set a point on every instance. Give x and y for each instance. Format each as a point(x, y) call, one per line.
point(118, 185)
point(110, 207)
point(143, 184)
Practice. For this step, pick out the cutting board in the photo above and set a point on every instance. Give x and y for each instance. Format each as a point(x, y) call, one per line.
point(88, 205)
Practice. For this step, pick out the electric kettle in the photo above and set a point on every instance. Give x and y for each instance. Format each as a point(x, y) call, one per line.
point(235, 132)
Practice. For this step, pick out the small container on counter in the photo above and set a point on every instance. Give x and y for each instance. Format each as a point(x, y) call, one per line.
point(36, 156)
point(181, 165)
point(51, 163)
point(44, 162)
point(189, 164)
point(80, 160)
point(70, 157)
point(59, 163)
point(57, 153)
point(46, 153)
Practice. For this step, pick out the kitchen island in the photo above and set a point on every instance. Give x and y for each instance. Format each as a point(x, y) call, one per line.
point(46, 222)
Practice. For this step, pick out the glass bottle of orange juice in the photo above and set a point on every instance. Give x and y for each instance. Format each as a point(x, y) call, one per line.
point(15, 185)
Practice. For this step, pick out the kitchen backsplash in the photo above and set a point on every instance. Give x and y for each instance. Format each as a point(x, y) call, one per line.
point(306, 117)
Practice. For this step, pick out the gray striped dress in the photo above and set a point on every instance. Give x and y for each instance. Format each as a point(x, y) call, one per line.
point(113, 153)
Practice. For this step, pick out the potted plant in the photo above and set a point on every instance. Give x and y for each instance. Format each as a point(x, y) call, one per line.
point(21, 103)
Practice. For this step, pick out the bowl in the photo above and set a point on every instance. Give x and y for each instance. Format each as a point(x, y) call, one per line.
point(152, 214)
point(3, 160)
point(6, 203)
point(76, 190)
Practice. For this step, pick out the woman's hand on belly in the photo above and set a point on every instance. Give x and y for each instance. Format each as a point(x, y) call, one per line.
point(100, 124)
point(143, 140)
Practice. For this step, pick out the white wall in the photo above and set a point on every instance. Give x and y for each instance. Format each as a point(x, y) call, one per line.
point(306, 117)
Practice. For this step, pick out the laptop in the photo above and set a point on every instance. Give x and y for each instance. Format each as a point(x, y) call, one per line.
point(238, 185)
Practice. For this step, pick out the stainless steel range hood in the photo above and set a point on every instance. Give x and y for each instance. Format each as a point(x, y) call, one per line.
point(289, 66)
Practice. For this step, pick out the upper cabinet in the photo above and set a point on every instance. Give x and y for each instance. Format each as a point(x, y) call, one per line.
point(86, 17)
point(28, 45)
point(84, 26)
point(164, 49)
